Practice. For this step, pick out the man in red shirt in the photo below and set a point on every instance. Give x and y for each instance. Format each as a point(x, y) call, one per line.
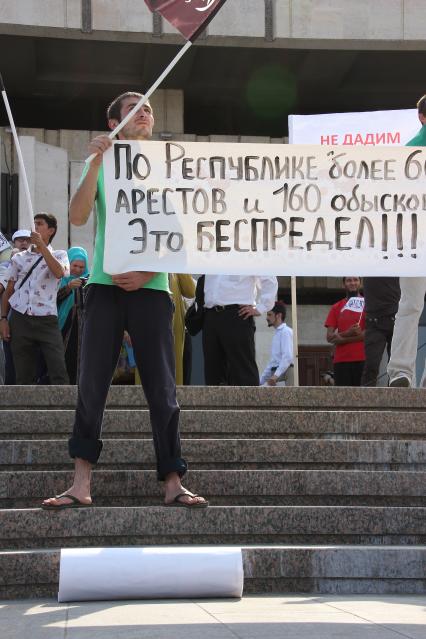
point(345, 330)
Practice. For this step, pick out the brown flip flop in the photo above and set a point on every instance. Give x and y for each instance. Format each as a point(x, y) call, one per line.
point(75, 503)
point(178, 503)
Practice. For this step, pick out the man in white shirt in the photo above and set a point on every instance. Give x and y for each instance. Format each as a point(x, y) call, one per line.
point(231, 302)
point(31, 291)
point(281, 361)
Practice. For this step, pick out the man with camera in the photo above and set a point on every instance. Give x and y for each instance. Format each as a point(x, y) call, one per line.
point(30, 296)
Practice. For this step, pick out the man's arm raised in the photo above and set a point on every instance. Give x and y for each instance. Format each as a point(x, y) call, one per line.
point(82, 201)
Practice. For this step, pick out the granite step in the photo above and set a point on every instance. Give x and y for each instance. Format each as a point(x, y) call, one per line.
point(207, 397)
point(232, 423)
point(327, 466)
point(277, 569)
point(231, 487)
point(228, 453)
point(152, 525)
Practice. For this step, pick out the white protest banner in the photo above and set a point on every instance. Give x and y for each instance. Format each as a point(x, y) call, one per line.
point(172, 572)
point(370, 128)
point(240, 209)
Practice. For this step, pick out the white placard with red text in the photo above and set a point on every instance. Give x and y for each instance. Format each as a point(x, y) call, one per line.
point(354, 304)
point(367, 128)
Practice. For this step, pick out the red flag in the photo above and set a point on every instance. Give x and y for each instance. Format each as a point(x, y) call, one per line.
point(190, 17)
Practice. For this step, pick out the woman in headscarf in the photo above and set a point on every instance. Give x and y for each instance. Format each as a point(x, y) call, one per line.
point(70, 307)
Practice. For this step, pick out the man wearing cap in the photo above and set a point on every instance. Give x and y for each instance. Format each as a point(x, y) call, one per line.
point(280, 366)
point(21, 239)
point(28, 309)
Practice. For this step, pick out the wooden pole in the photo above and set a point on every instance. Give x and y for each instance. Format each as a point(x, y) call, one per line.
point(294, 326)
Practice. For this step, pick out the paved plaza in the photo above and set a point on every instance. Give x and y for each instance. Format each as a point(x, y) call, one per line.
point(253, 617)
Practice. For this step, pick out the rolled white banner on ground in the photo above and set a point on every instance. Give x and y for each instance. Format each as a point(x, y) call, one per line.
point(160, 572)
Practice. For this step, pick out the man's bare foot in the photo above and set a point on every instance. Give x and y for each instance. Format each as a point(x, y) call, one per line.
point(187, 500)
point(68, 499)
point(177, 495)
point(78, 494)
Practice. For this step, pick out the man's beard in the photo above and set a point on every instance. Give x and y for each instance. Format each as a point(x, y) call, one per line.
point(136, 133)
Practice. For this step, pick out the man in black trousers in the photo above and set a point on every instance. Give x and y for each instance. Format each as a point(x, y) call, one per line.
point(138, 302)
point(381, 296)
point(231, 303)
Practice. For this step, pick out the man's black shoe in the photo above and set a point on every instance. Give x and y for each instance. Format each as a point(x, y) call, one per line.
point(400, 382)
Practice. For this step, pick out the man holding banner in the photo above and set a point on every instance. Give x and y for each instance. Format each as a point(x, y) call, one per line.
point(138, 302)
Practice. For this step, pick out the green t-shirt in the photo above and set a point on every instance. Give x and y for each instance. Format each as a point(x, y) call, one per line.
point(419, 139)
point(159, 282)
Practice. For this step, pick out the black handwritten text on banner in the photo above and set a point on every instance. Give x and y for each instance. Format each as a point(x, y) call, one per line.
point(265, 209)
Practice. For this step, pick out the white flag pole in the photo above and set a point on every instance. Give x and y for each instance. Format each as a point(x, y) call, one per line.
point(147, 95)
point(19, 153)
point(294, 326)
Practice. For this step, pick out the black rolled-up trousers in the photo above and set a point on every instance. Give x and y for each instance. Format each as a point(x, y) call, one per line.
point(147, 316)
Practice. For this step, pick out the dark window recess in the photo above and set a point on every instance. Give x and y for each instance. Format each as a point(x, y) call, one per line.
point(9, 202)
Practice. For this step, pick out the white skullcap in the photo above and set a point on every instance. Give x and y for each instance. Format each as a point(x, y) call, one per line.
point(21, 233)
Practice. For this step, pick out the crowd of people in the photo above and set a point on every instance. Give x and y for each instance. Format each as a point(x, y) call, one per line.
point(43, 298)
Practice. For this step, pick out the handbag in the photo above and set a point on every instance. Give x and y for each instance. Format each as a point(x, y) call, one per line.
point(194, 317)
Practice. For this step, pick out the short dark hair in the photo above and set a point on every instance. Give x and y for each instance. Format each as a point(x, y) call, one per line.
point(280, 307)
point(346, 277)
point(50, 220)
point(114, 109)
point(421, 105)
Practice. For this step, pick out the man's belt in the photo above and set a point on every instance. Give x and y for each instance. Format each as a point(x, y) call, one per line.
point(376, 318)
point(220, 308)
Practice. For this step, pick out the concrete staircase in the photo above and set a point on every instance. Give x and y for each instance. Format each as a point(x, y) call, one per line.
point(324, 488)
